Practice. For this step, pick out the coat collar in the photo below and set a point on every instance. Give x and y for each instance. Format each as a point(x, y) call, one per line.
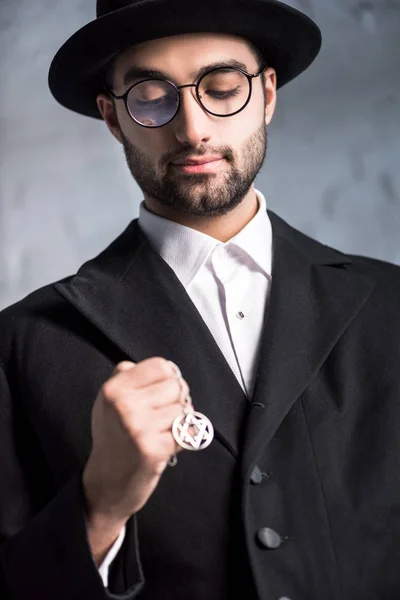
point(131, 294)
point(314, 296)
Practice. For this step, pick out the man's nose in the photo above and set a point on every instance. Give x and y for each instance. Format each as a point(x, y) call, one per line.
point(192, 123)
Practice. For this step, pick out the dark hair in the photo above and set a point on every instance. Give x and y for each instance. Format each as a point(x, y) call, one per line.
point(258, 53)
point(262, 63)
point(109, 72)
point(109, 69)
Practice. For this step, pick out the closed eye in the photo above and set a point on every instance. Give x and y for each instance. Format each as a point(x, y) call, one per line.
point(223, 95)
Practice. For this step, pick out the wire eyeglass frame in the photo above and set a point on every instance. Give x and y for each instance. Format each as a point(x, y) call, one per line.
point(125, 95)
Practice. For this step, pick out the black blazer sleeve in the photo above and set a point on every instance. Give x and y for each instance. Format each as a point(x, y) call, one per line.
point(45, 553)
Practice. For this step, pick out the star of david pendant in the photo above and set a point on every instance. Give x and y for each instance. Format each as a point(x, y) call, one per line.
point(193, 431)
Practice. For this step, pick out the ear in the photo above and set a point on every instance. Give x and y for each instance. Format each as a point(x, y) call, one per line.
point(270, 93)
point(108, 110)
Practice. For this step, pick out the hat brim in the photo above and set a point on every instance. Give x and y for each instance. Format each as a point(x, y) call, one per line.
point(289, 40)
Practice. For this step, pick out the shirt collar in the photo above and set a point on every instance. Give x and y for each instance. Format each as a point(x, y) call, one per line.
point(186, 250)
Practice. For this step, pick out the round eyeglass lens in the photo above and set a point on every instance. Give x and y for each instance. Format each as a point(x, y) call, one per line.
point(224, 91)
point(153, 103)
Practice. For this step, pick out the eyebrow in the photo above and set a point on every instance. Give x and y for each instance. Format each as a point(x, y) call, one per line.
point(137, 72)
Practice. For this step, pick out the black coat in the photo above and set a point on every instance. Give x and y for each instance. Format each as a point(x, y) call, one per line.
point(315, 456)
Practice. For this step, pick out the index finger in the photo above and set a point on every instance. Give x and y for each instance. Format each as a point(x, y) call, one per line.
point(144, 373)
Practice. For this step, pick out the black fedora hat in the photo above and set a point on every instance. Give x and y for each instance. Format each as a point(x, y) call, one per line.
point(289, 40)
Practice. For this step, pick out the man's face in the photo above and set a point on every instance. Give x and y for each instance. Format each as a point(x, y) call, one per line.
point(240, 140)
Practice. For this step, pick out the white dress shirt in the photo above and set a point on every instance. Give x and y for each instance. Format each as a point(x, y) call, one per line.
point(228, 283)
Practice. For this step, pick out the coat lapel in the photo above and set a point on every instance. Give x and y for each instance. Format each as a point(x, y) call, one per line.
point(131, 294)
point(136, 300)
point(313, 300)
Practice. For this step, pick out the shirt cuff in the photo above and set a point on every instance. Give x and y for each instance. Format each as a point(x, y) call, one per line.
point(112, 553)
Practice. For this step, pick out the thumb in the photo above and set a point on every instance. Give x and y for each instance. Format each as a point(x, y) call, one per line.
point(124, 365)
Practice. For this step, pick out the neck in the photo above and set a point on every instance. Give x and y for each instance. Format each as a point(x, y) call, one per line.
point(222, 227)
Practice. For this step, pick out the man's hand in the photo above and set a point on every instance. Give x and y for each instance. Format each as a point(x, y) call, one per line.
point(132, 442)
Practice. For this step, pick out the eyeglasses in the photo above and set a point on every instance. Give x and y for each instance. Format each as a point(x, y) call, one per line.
point(222, 92)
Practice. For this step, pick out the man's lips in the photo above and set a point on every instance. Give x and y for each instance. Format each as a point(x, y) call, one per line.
point(203, 167)
point(197, 161)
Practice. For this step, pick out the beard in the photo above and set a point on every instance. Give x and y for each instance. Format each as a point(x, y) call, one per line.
point(199, 194)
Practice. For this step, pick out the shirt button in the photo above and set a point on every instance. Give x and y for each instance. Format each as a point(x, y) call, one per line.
point(269, 538)
point(240, 315)
point(256, 476)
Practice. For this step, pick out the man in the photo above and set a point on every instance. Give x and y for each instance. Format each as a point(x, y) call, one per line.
point(209, 325)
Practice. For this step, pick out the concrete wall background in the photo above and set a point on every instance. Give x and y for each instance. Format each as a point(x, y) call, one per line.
point(334, 150)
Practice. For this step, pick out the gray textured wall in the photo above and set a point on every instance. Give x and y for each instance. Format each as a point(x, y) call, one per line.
point(333, 165)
